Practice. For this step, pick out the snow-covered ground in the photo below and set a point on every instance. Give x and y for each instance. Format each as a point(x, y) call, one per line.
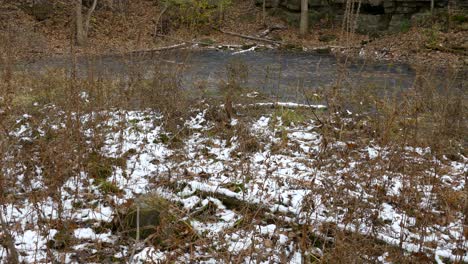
point(292, 178)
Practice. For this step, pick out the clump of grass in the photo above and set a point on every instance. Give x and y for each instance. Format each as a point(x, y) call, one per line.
point(108, 187)
point(160, 222)
point(288, 117)
point(62, 240)
point(235, 187)
point(101, 167)
point(405, 25)
point(248, 143)
point(460, 18)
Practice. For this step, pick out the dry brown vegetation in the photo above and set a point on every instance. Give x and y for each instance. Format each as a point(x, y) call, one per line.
point(56, 127)
point(142, 25)
point(69, 164)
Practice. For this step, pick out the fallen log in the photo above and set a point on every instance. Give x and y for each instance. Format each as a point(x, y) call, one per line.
point(446, 49)
point(270, 29)
point(249, 37)
point(178, 39)
point(176, 46)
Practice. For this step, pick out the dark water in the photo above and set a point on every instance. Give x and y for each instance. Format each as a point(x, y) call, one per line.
point(285, 74)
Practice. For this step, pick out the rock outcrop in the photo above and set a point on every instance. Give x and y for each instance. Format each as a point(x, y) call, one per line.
point(375, 16)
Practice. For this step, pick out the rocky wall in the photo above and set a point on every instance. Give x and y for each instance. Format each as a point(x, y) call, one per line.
point(376, 16)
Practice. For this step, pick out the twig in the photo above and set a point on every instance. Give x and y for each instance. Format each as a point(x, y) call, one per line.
point(312, 109)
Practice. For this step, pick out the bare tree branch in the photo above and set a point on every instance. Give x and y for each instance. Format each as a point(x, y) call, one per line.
point(88, 16)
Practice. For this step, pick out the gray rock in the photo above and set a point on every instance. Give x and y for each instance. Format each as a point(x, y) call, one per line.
point(372, 24)
point(420, 19)
point(399, 23)
point(41, 10)
point(405, 10)
point(376, 15)
point(376, 2)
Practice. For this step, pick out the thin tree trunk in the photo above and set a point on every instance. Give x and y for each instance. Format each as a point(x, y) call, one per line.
point(80, 33)
point(221, 13)
point(304, 24)
point(82, 27)
point(450, 7)
point(264, 12)
point(88, 16)
point(159, 19)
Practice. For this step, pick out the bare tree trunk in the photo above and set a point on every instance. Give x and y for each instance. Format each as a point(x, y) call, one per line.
point(158, 19)
point(88, 16)
point(304, 24)
point(221, 12)
point(82, 27)
point(80, 34)
point(450, 7)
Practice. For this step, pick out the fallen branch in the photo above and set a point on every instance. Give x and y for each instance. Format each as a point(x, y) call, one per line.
point(187, 41)
point(176, 46)
point(249, 37)
point(446, 49)
point(270, 29)
point(281, 104)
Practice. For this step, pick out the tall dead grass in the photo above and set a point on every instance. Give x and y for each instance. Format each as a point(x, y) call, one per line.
point(66, 113)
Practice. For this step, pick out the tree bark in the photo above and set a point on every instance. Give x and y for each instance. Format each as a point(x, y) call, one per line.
point(82, 27)
point(304, 24)
point(88, 16)
point(80, 34)
point(158, 19)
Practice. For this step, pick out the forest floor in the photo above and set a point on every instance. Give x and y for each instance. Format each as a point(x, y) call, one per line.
point(133, 29)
